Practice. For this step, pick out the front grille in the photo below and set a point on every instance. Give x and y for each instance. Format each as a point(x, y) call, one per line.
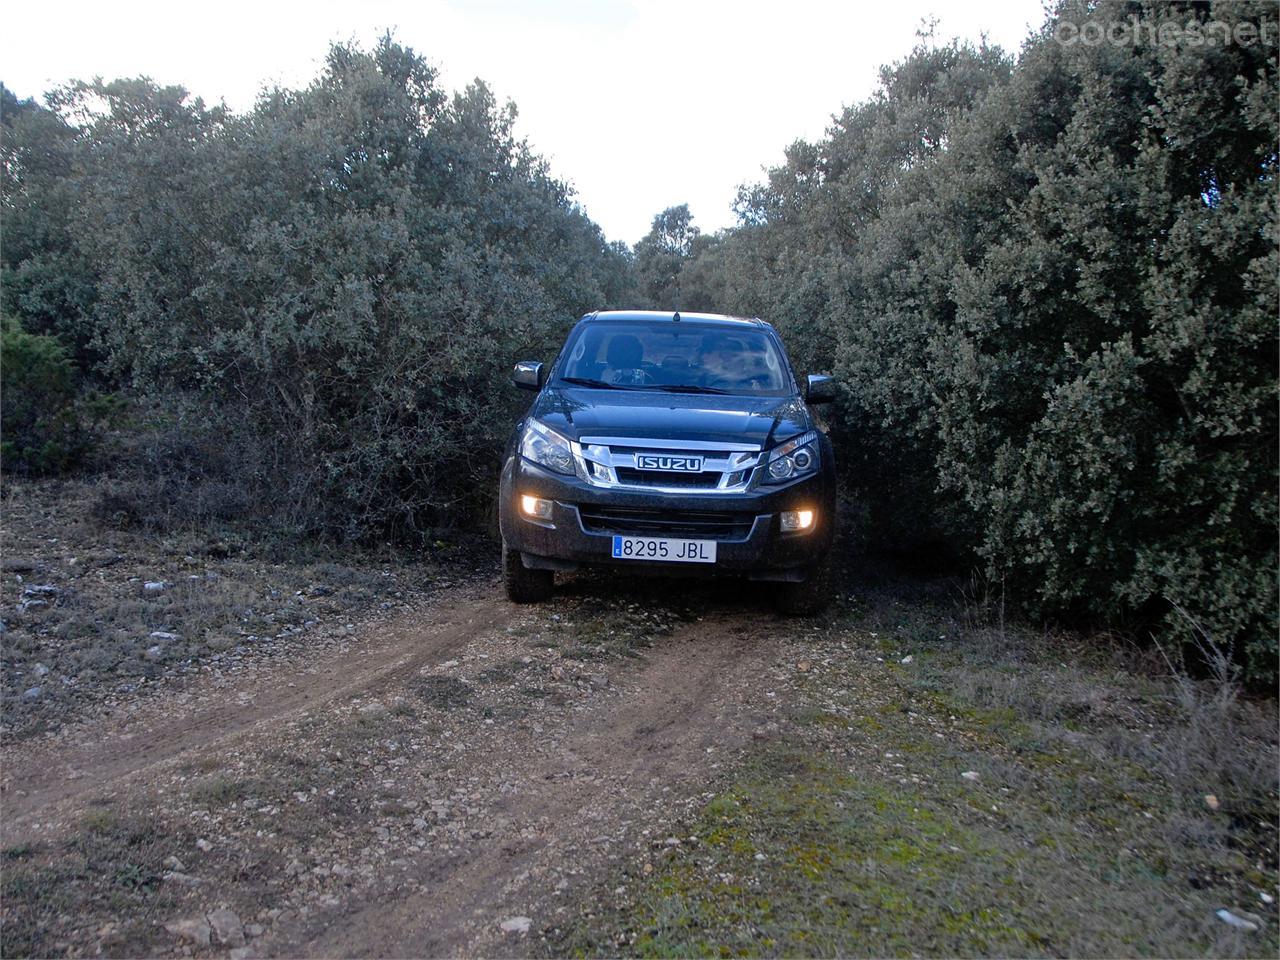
point(701, 524)
point(667, 478)
point(727, 467)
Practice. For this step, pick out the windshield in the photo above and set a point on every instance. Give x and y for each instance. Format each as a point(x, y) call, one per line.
point(676, 357)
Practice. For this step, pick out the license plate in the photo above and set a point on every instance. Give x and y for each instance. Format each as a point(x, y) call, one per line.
point(664, 548)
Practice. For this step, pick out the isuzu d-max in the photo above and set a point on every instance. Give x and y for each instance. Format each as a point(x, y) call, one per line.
point(672, 443)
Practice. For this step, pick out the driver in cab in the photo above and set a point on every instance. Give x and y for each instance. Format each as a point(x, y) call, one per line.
point(724, 361)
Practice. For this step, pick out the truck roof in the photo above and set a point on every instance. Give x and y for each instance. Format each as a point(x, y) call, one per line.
point(614, 316)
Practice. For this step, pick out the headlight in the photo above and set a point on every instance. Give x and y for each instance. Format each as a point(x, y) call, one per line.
point(547, 448)
point(795, 458)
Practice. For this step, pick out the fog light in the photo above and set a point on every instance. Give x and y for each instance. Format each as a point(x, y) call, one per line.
point(535, 507)
point(797, 519)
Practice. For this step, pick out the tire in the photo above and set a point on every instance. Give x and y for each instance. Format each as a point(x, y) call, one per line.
point(522, 584)
point(810, 596)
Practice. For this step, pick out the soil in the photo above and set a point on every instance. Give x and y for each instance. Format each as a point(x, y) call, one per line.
point(343, 754)
point(620, 737)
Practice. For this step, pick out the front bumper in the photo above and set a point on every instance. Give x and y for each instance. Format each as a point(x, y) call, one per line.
point(758, 549)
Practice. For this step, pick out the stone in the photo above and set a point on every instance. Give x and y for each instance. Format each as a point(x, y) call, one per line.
point(226, 927)
point(32, 693)
point(970, 775)
point(40, 670)
point(515, 925)
point(203, 844)
point(155, 586)
point(196, 931)
point(1244, 923)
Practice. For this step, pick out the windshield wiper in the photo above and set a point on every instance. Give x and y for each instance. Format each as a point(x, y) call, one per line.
point(588, 382)
point(665, 387)
point(684, 388)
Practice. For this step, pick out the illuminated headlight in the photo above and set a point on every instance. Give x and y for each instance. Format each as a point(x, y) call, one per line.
point(535, 507)
point(797, 520)
point(546, 448)
point(795, 458)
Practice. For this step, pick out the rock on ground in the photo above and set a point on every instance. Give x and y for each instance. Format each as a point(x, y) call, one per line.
point(226, 927)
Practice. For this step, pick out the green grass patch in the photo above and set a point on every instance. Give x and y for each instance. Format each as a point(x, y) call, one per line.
point(801, 857)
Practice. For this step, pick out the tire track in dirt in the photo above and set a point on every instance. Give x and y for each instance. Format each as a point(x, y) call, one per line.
point(53, 779)
point(698, 690)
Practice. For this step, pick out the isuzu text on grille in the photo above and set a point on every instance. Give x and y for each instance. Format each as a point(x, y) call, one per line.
point(649, 461)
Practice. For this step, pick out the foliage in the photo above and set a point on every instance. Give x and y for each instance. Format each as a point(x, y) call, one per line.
point(349, 269)
point(44, 279)
point(42, 432)
point(672, 244)
point(1049, 289)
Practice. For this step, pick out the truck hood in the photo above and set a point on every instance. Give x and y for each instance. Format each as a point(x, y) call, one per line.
point(584, 412)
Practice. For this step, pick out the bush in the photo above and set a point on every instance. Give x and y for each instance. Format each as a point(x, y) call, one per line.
point(42, 431)
point(1049, 291)
point(342, 276)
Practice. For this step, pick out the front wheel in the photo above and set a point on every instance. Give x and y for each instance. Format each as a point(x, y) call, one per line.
point(522, 584)
point(810, 596)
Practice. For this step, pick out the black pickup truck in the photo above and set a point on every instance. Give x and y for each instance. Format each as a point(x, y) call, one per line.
point(675, 443)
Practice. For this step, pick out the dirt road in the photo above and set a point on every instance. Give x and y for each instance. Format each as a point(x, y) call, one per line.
point(446, 772)
point(101, 759)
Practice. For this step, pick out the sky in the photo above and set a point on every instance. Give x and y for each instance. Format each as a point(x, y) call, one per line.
point(638, 104)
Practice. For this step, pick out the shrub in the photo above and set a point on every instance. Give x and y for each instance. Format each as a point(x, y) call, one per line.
point(343, 275)
point(1049, 291)
point(42, 433)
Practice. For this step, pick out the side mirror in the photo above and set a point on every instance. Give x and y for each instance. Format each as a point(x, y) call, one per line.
point(528, 375)
point(819, 388)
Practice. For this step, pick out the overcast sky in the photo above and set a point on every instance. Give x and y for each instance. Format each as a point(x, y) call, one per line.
point(639, 104)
